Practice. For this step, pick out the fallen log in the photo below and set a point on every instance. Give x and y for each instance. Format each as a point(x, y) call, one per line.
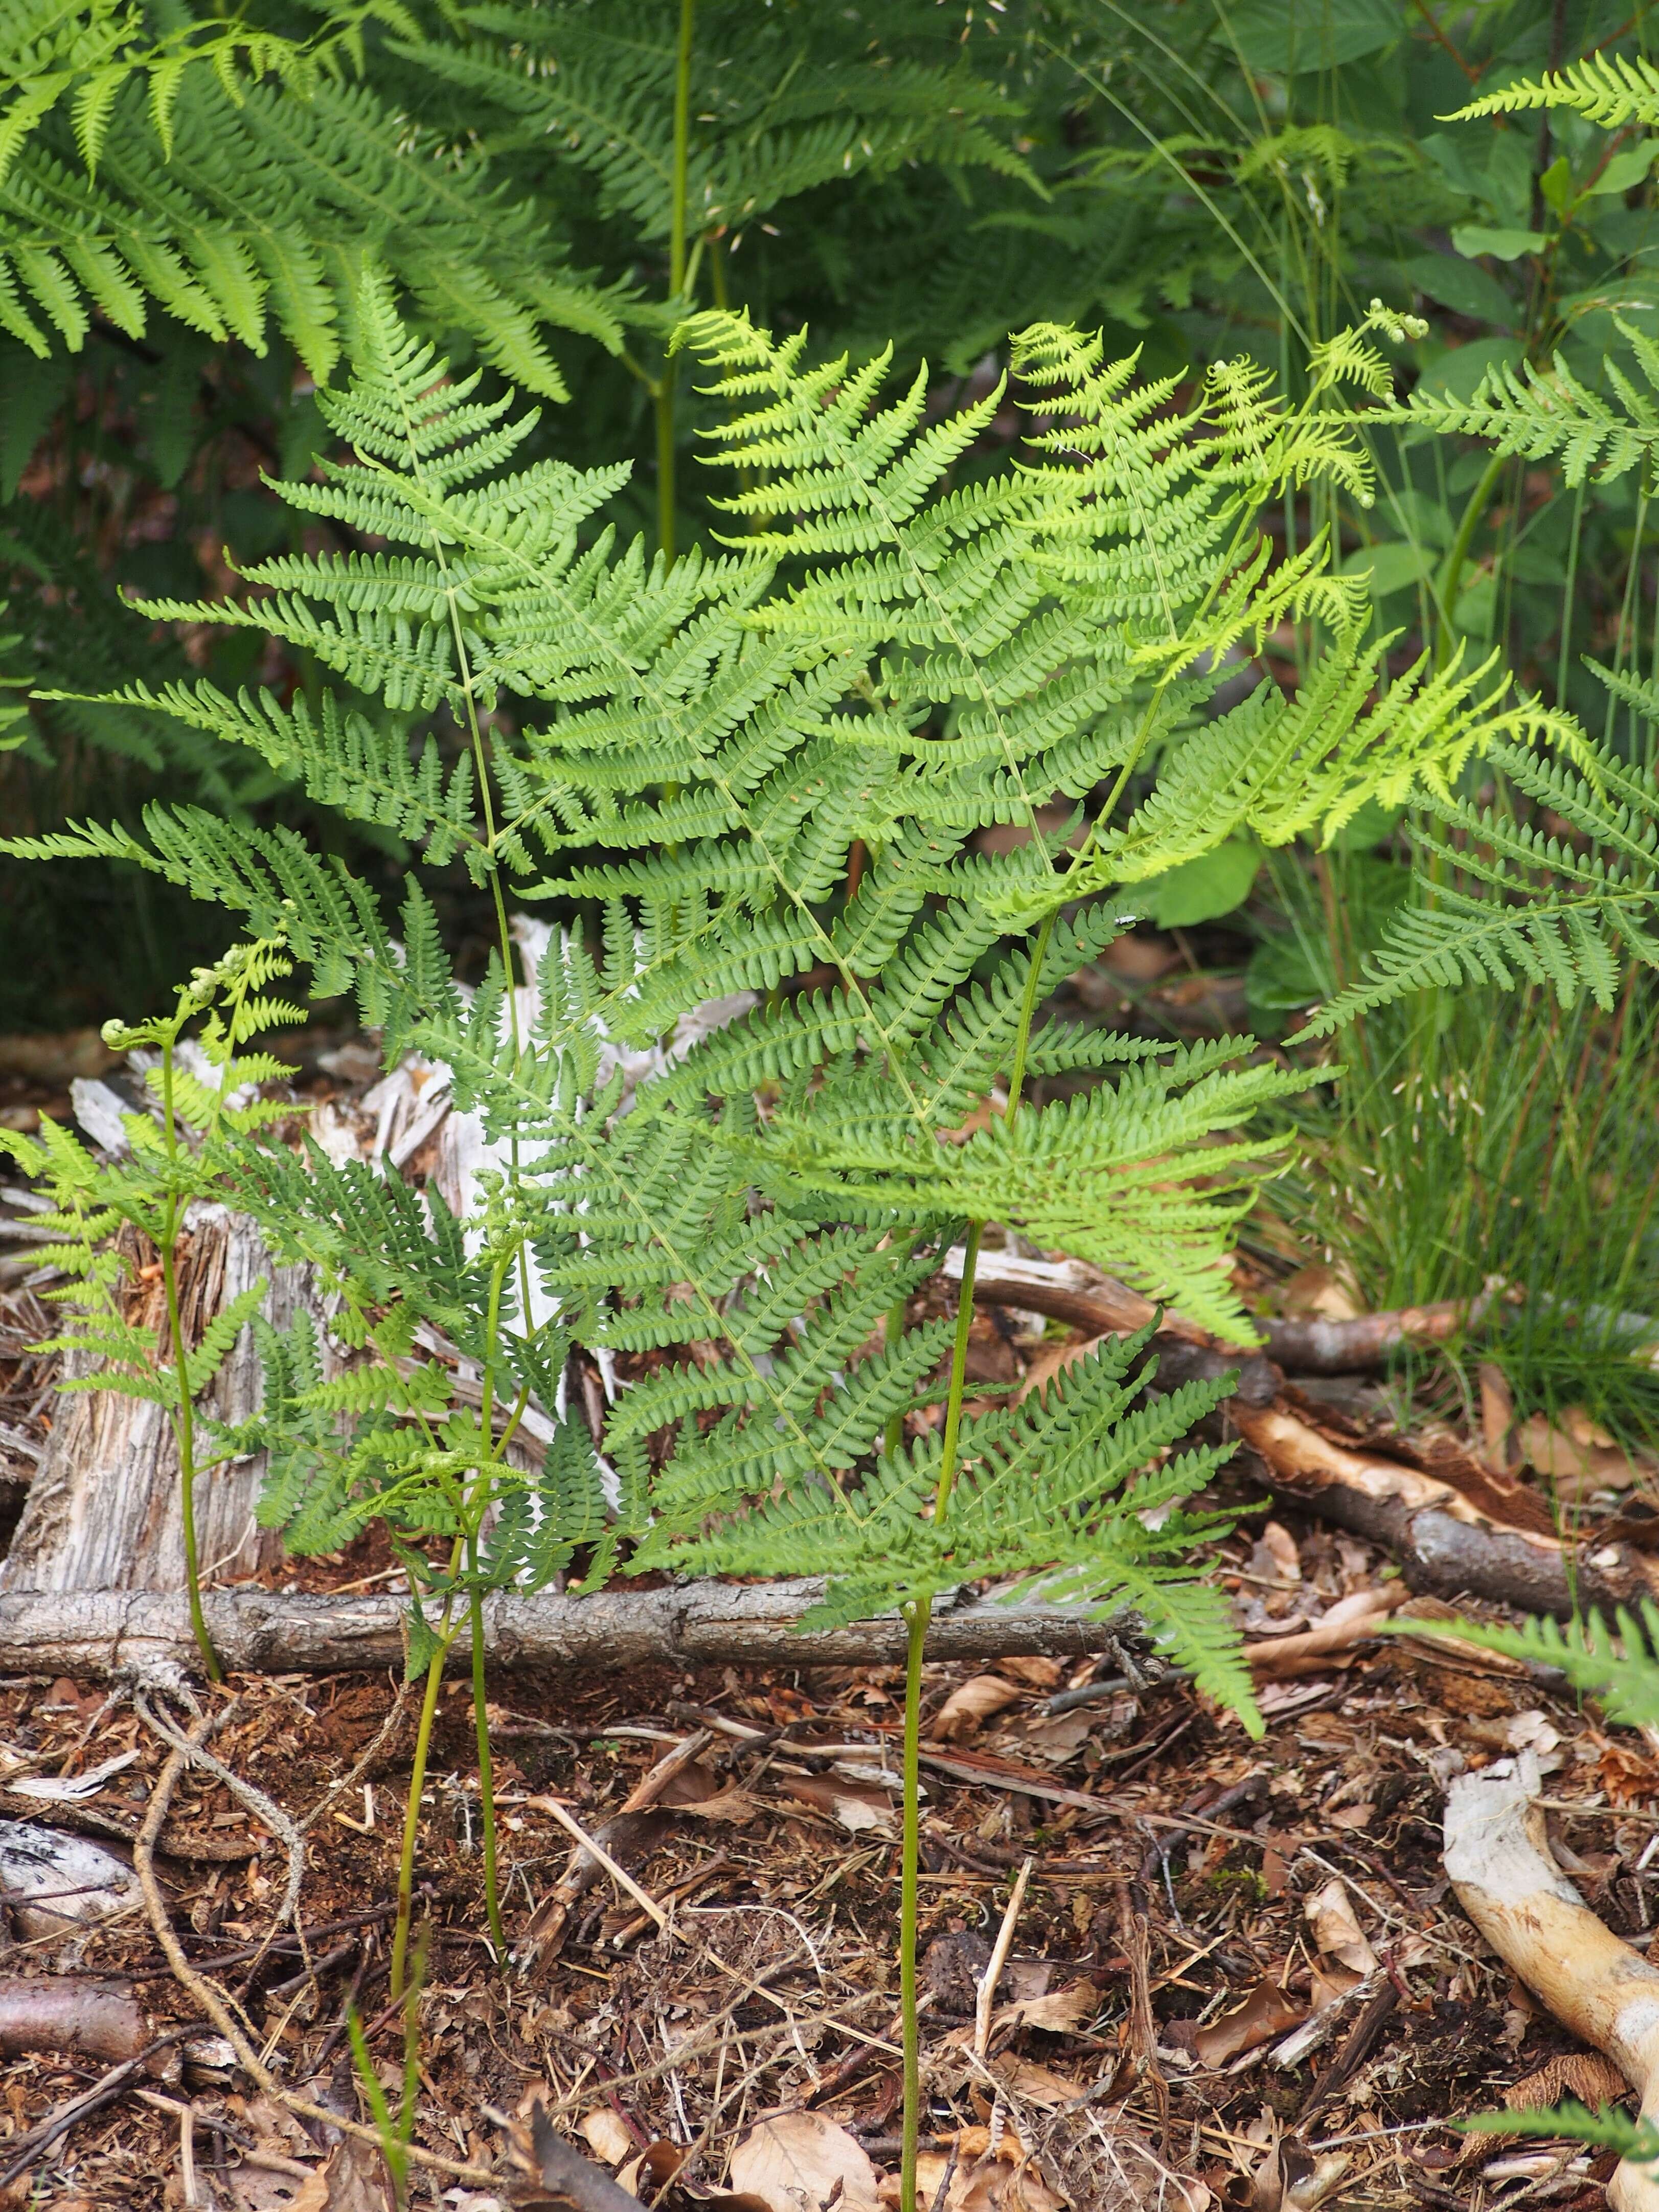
point(146, 1633)
point(71, 2013)
point(1066, 1291)
point(1497, 1854)
point(1468, 1538)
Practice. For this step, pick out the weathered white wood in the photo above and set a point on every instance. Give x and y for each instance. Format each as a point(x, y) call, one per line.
point(104, 1509)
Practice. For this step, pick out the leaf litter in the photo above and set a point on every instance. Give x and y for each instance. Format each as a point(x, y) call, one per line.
point(1236, 1977)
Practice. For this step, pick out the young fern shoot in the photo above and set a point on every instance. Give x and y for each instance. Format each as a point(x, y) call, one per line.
point(205, 1090)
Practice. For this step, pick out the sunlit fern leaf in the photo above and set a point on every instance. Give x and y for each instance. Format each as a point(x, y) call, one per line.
point(1608, 89)
point(1513, 902)
point(1538, 413)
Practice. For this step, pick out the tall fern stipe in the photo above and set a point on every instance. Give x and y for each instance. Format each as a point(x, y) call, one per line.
point(734, 1102)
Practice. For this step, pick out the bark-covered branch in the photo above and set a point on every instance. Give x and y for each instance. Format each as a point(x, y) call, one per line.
point(82, 1633)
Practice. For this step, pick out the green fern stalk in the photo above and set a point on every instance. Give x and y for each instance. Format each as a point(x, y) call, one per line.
point(406, 1912)
point(666, 517)
point(184, 1413)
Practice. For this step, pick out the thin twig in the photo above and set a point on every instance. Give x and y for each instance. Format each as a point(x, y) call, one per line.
point(104, 2091)
point(213, 2002)
point(985, 1996)
point(255, 1800)
point(620, 1875)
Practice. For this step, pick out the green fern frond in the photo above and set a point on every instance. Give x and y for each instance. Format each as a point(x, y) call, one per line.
point(1608, 89)
point(1538, 413)
point(1615, 1660)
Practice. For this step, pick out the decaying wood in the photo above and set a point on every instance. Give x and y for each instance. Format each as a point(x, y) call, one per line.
point(89, 1633)
point(1081, 1297)
point(69, 2012)
point(1450, 1538)
point(1497, 1858)
point(103, 1508)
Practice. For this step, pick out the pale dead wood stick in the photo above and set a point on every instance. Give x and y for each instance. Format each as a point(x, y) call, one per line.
point(187, 2152)
point(88, 1633)
point(273, 2161)
point(1083, 1298)
point(985, 1996)
point(619, 1874)
point(651, 1784)
point(1497, 1854)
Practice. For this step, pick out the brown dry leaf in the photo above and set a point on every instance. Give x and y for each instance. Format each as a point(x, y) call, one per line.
point(859, 1806)
point(1054, 1361)
point(1336, 1933)
point(1035, 2085)
point(1581, 2074)
point(1265, 2012)
point(1035, 1674)
point(353, 2180)
point(802, 2162)
point(1497, 1419)
point(731, 1804)
point(1578, 1457)
point(261, 2189)
point(1275, 1556)
point(1349, 1621)
point(1628, 1776)
point(1062, 2012)
point(1329, 1985)
point(1353, 1816)
point(606, 2135)
point(980, 2180)
point(1320, 1294)
point(970, 1704)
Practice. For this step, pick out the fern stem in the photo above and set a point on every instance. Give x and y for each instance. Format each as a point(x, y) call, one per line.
point(681, 151)
point(664, 396)
point(920, 1612)
point(434, 1675)
point(909, 1870)
point(1457, 557)
point(185, 1419)
point(486, 1774)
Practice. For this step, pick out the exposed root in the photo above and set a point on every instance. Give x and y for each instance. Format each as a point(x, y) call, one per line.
point(1497, 1858)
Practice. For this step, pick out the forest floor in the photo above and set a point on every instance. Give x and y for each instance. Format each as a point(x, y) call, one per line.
point(1236, 1975)
point(1237, 1967)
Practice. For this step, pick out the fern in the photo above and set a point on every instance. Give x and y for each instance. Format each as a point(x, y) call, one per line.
point(1615, 1660)
point(1566, 911)
point(1537, 412)
point(1608, 89)
point(724, 1110)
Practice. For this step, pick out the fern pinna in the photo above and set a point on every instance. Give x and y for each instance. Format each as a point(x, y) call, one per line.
point(754, 782)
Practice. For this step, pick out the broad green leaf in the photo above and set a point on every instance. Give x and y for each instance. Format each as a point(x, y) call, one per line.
point(1203, 889)
point(1474, 239)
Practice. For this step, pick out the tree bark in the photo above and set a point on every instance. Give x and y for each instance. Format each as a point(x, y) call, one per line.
point(1450, 1540)
point(103, 1510)
point(84, 1633)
